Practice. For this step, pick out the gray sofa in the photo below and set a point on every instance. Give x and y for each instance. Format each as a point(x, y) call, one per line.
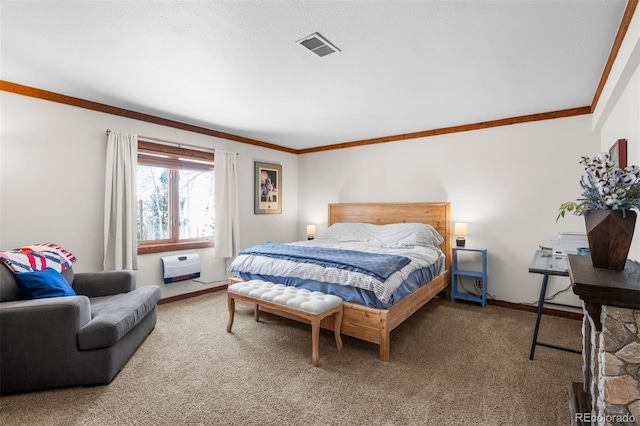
point(77, 340)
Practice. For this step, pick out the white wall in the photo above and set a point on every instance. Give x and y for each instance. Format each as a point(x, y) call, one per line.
point(506, 182)
point(52, 185)
point(617, 115)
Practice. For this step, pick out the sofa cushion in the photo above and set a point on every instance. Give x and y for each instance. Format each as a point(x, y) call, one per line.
point(42, 284)
point(113, 316)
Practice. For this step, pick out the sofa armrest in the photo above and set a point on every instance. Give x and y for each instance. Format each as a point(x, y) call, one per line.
point(27, 324)
point(39, 342)
point(105, 283)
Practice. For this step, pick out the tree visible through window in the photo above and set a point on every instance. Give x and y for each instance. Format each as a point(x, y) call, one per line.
point(175, 198)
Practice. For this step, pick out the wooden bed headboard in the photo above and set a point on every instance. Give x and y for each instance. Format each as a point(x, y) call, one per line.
point(434, 214)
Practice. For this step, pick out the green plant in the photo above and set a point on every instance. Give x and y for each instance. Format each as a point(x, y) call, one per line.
point(606, 187)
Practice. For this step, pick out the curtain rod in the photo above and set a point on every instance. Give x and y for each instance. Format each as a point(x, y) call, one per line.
point(168, 142)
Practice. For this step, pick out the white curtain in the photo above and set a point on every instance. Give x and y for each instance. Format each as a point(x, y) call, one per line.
point(226, 235)
point(120, 242)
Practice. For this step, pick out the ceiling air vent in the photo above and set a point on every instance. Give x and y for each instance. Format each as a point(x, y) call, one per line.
point(318, 45)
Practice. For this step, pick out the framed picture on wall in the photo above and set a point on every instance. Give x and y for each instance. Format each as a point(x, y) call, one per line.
point(618, 153)
point(268, 188)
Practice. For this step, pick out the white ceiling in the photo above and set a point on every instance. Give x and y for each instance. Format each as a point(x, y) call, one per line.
point(233, 66)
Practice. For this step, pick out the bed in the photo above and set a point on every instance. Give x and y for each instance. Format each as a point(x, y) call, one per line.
point(368, 319)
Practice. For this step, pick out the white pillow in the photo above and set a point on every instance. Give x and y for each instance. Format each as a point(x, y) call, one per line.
point(409, 235)
point(400, 235)
point(344, 232)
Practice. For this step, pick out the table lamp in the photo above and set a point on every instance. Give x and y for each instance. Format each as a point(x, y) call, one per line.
point(311, 232)
point(460, 230)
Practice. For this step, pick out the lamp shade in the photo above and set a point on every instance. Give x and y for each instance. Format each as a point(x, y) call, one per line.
point(311, 230)
point(460, 228)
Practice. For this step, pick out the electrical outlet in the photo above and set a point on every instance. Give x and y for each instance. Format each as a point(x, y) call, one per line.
point(478, 283)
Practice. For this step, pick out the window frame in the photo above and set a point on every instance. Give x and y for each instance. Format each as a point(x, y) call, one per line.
point(173, 159)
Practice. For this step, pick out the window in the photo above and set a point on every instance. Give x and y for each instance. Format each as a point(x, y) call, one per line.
point(175, 198)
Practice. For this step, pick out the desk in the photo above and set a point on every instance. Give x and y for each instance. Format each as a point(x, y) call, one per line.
point(546, 263)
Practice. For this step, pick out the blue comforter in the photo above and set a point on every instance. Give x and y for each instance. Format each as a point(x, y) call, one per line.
point(378, 265)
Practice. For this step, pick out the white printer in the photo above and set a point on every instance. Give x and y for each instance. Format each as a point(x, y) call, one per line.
point(568, 243)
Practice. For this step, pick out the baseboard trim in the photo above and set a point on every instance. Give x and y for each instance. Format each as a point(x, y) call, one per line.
point(192, 294)
point(501, 303)
point(531, 308)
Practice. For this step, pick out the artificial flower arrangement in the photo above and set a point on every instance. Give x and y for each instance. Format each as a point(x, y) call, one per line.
point(607, 187)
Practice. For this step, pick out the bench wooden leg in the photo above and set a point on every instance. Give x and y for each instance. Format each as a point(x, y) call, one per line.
point(315, 338)
point(232, 310)
point(336, 328)
point(288, 312)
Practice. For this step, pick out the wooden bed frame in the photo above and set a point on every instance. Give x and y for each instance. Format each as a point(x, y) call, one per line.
point(372, 324)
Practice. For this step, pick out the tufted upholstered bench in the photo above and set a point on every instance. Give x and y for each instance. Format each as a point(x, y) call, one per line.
point(311, 306)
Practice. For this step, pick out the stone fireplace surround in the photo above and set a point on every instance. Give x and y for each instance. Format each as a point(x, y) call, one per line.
point(614, 364)
point(610, 394)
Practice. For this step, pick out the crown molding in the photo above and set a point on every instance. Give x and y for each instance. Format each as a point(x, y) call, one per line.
point(95, 106)
point(456, 129)
point(615, 48)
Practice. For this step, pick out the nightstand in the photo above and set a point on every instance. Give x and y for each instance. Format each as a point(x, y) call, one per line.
point(455, 273)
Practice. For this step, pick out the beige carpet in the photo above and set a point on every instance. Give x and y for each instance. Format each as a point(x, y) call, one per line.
point(451, 364)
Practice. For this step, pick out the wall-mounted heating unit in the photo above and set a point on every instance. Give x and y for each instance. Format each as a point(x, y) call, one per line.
point(180, 267)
